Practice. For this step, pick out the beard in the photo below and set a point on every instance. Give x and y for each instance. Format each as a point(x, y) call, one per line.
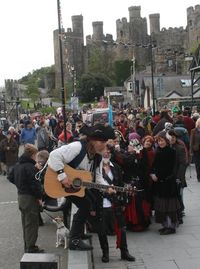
point(106, 160)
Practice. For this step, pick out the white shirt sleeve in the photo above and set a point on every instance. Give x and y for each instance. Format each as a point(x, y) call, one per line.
point(63, 155)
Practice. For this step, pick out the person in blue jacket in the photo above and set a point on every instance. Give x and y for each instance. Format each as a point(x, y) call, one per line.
point(28, 134)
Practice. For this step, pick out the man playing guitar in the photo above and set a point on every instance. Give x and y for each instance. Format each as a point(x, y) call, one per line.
point(83, 155)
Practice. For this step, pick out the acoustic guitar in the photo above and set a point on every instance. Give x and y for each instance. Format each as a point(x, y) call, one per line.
point(80, 179)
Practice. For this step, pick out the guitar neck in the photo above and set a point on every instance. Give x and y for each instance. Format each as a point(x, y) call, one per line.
point(102, 186)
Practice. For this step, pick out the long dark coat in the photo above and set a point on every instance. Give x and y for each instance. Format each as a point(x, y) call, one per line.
point(164, 168)
point(10, 149)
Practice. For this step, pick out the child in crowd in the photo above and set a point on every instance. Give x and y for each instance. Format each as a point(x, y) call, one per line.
point(41, 159)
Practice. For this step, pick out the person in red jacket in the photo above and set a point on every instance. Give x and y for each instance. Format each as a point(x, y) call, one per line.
point(69, 134)
point(188, 121)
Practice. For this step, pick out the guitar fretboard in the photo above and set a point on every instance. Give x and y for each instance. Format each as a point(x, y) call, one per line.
point(103, 187)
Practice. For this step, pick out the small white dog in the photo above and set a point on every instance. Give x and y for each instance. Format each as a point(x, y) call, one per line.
point(61, 233)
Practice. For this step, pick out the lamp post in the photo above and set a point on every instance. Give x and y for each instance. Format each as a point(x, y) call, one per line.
point(73, 81)
point(133, 81)
point(62, 70)
point(17, 109)
point(152, 76)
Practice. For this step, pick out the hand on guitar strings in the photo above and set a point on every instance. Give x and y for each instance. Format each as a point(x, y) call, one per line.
point(66, 183)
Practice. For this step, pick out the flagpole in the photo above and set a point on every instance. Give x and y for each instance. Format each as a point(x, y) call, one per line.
point(62, 70)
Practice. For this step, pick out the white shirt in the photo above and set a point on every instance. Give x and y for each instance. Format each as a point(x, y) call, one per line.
point(106, 202)
point(66, 153)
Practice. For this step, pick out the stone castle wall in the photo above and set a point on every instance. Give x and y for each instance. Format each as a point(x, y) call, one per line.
point(132, 39)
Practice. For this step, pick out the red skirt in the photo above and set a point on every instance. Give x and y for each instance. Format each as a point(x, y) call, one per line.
point(138, 214)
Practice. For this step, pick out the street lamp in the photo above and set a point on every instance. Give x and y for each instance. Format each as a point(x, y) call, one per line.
point(73, 81)
point(17, 108)
point(152, 76)
point(133, 81)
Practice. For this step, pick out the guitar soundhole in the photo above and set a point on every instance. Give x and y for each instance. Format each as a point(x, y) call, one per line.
point(76, 183)
point(75, 187)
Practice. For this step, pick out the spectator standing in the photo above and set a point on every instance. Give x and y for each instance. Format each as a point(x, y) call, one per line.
point(69, 135)
point(180, 167)
point(15, 135)
point(10, 149)
point(29, 196)
point(59, 128)
point(52, 123)
point(195, 147)
point(188, 121)
point(42, 137)
point(163, 175)
point(148, 144)
point(164, 117)
point(156, 117)
point(2, 155)
point(41, 159)
point(28, 134)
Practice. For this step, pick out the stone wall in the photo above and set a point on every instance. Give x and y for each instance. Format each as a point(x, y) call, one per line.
point(132, 39)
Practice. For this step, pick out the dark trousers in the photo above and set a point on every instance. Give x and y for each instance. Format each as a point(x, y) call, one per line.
point(117, 215)
point(80, 217)
point(196, 158)
point(29, 208)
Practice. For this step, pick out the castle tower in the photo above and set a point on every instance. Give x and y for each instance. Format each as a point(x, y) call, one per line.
point(137, 26)
point(122, 27)
point(97, 30)
point(75, 47)
point(134, 13)
point(57, 59)
point(154, 20)
point(193, 25)
point(77, 25)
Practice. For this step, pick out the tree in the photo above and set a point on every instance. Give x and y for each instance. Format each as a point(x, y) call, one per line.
point(32, 89)
point(96, 61)
point(122, 71)
point(41, 76)
point(92, 86)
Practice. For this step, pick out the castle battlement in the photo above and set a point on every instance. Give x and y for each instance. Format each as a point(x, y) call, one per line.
point(131, 38)
point(193, 10)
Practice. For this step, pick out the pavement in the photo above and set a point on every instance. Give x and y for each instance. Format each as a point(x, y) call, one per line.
point(152, 251)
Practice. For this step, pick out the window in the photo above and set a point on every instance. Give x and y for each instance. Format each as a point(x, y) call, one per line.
point(185, 82)
point(170, 63)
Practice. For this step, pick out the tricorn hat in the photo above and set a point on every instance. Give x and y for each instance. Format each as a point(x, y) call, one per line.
point(98, 132)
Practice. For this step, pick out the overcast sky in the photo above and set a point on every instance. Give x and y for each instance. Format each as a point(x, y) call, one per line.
point(26, 26)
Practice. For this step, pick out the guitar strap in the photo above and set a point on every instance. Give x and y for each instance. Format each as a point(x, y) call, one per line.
point(78, 159)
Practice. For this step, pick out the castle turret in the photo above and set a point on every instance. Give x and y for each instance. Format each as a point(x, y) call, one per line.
point(193, 22)
point(97, 30)
point(122, 27)
point(154, 20)
point(77, 25)
point(134, 13)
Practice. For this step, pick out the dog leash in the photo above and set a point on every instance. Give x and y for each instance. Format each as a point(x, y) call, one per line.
point(49, 215)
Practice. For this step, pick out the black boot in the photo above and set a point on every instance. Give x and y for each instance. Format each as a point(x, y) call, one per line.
point(105, 257)
point(78, 244)
point(103, 240)
point(125, 255)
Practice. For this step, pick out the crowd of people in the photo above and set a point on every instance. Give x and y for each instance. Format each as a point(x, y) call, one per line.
point(145, 156)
